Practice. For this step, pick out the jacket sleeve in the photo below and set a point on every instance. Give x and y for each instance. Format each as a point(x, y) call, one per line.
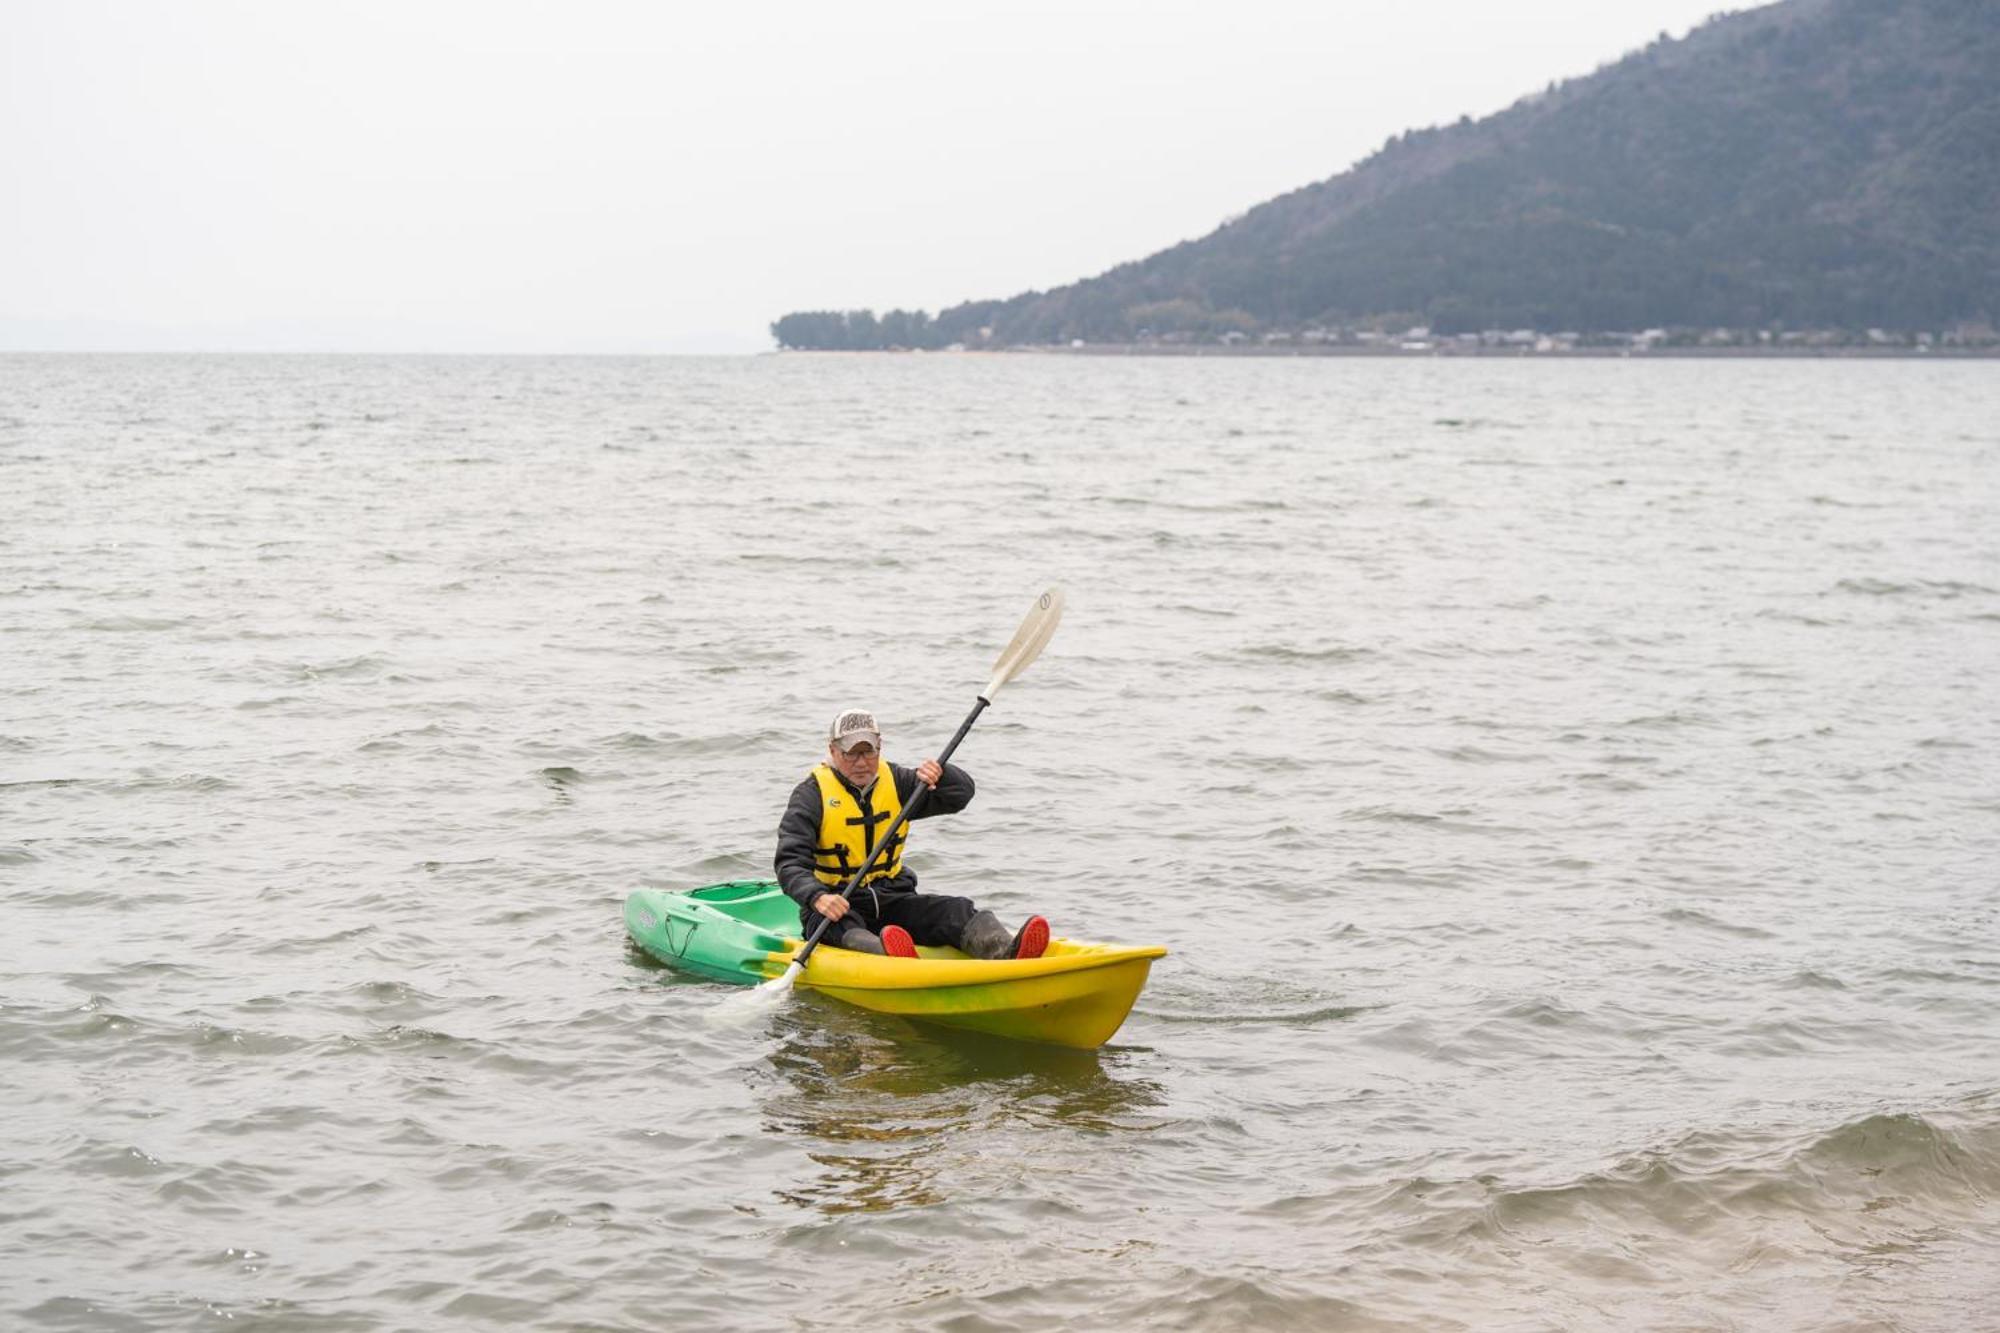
point(798, 834)
point(953, 794)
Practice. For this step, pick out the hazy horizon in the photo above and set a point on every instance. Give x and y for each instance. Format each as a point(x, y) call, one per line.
point(459, 178)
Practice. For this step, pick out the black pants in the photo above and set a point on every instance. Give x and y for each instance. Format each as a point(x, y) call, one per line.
point(931, 918)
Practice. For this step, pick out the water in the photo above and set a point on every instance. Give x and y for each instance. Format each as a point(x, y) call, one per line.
point(1570, 792)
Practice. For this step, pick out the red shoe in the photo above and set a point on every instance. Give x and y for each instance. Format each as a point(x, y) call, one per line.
point(1032, 938)
point(896, 942)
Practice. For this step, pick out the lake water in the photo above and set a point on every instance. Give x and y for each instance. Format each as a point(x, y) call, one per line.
point(1570, 792)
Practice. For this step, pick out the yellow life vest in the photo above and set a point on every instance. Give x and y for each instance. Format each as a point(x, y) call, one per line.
point(847, 828)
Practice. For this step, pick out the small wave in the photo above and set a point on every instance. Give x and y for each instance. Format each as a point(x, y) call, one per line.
point(245, 1041)
point(1234, 1301)
point(631, 740)
point(405, 1036)
point(1545, 1013)
point(1386, 815)
point(1327, 1013)
point(1666, 721)
point(1797, 618)
point(1930, 975)
point(1912, 1154)
point(730, 742)
point(202, 782)
point(306, 943)
point(132, 624)
point(145, 782)
point(391, 990)
point(555, 1219)
point(1408, 876)
point(99, 1020)
point(217, 1188)
point(1194, 996)
point(1688, 916)
point(1448, 821)
point(76, 898)
point(1943, 589)
point(364, 667)
point(1535, 1026)
point(727, 866)
point(238, 1259)
point(120, 1161)
point(1472, 754)
point(1285, 652)
point(1884, 1182)
point(1608, 782)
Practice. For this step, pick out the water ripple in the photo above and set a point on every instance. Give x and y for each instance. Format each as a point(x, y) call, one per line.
point(1567, 793)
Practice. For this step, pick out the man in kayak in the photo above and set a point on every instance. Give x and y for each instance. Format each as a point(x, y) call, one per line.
point(833, 822)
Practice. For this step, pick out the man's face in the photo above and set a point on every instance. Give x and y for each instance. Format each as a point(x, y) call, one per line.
point(856, 765)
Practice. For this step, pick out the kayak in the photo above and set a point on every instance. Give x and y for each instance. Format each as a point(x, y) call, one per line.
point(744, 932)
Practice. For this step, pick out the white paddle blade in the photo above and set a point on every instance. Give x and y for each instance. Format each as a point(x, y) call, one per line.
point(1028, 641)
point(747, 1006)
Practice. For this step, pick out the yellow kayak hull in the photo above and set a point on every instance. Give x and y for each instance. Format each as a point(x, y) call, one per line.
point(1076, 994)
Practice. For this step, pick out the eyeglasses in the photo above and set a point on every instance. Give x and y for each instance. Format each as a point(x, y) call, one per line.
point(859, 752)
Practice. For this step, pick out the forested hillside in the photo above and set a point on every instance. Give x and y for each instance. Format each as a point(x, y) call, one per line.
point(1814, 164)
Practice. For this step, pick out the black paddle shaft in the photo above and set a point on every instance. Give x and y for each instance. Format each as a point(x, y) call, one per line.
point(882, 844)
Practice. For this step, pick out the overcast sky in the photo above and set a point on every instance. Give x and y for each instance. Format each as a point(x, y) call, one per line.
point(493, 176)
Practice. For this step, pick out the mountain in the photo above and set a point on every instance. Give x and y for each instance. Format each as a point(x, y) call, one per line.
point(1828, 164)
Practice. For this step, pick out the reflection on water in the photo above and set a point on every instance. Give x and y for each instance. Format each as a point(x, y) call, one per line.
point(893, 1108)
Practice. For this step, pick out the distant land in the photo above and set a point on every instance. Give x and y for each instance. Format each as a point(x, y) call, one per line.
point(1816, 176)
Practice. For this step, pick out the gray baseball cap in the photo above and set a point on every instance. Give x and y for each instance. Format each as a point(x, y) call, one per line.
point(852, 726)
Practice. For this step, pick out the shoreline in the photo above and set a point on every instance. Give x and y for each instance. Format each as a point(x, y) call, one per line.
point(1934, 353)
point(1530, 354)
